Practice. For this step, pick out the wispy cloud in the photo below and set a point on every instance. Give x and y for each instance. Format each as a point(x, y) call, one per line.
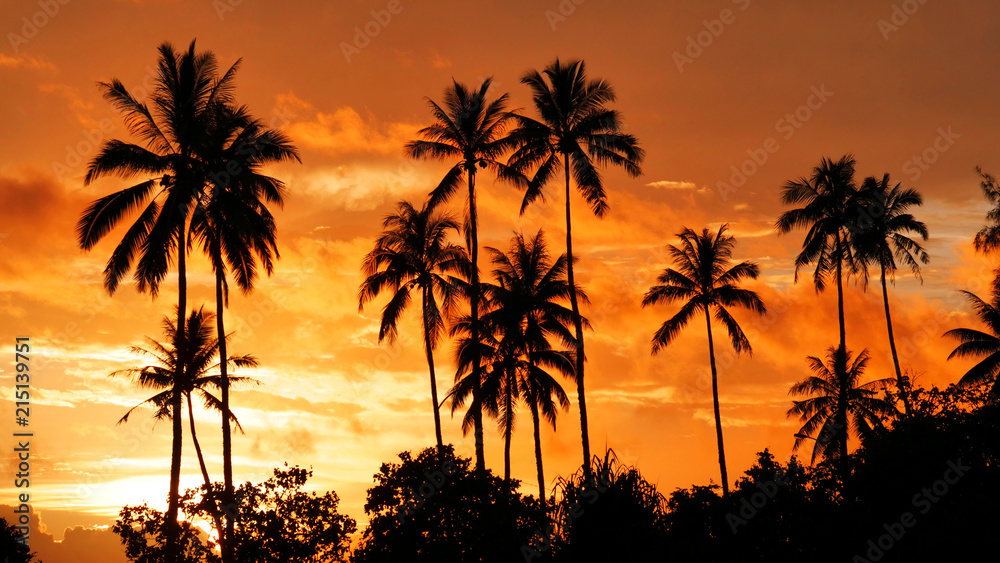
point(672, 185)
point(26, 61)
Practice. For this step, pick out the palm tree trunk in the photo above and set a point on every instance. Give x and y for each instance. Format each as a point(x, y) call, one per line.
point(204, 473)
point(578, 324)
point(229, 502)
point(715, 399)
point(892, 346)
point(509, 430)
point(477, 410)
point(172, 548)
point(842, 436)
point(840, 294)
point(430, 364)
point(538, 451)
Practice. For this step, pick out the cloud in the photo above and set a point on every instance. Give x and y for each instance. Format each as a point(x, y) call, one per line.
point(26, 61)
point(78, 544)
point(345, 130)
point(438, 61)
point(77, 105)
point(673, 185)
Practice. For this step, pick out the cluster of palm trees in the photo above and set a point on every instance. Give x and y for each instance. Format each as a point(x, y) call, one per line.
point(850, 228)
point(505, 339)
point(199, 162)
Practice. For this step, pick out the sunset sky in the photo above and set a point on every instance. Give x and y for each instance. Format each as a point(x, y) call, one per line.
point(913, 95)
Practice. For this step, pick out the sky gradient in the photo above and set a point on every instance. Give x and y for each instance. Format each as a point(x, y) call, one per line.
point(729, 99)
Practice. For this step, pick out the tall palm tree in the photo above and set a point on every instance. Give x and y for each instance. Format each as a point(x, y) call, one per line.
point(577, 132)
point(473, 132)
point(706, 282)
point(830, 198)
point(194, 362)
point(882, 239)
point(978, 344)
point(413, 255)
point(171, 133)
point(237, 230)
point(840, 405)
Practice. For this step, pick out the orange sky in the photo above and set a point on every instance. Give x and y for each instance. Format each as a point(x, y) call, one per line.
point(331, 397)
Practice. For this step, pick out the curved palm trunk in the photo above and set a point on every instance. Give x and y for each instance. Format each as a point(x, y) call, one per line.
point(715, 399)
point(840, 293)
point(173, 499)
point(477, 410)
point(229, 504)
point(430, 364)
point(578, 325)
point(538, 452)
point(892, 346)
point(204, 473)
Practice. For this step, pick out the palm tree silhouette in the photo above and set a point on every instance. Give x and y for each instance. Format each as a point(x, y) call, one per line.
point(523, 315)
point(977, 344)
point(528, 296)
point(172, 132)
point(882, 239)
point(194, 362)
point(235, 228)
point(988, 238)
point(831, 205)
point(578, 132)
point(840, 405)
point(706, 283)
point(413, 254)
point(475, 132)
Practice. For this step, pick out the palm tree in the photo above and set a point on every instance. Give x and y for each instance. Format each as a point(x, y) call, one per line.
point(576, 132)
point(882, 239)
point(706, 282)
point(194, 362)
point(172, 132)
point(522, 315)
point(840, 405)
point(976, 343)
point(472, 131)
point(236, 228)
point(528, 295)
point(988, 238)
point(831, 205)
point(413, 254)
